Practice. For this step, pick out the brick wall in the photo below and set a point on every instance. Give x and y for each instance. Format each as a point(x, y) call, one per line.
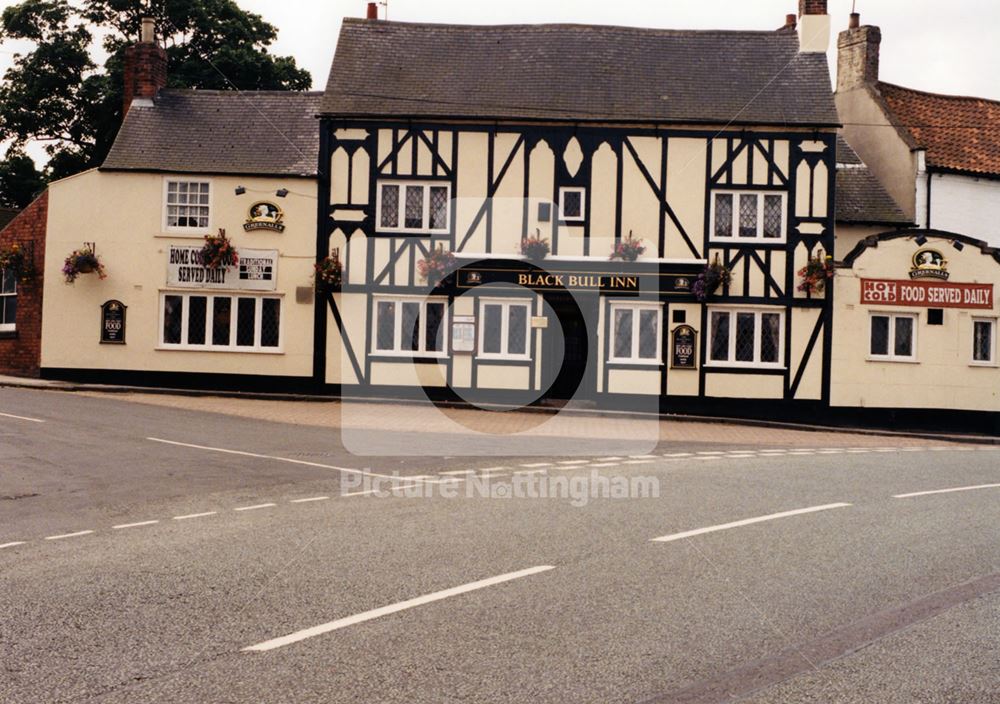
point(20, 352)
point(145, 72)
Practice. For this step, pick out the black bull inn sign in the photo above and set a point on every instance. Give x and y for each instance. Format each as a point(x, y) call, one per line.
point(559, 277)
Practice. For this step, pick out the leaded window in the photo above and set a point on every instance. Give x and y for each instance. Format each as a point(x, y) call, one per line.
point(751, 215)
point(414, 206)
point(723, 214)
point(983, 340)
point(390, 206)
point(636, 331)
point(746, 337)
point(237, 323)
point(408, 326)
point(503, 329)
point(748, 215)
point(892, 337)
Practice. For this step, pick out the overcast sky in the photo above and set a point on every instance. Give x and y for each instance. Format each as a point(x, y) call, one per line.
point(941, 47)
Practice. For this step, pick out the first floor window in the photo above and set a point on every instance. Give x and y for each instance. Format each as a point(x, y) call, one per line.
point(188, 205)
point(635, 332)
point(238, 323)
point(8, 300)
point(892, 337)
point(571, 205)
point(748, 215)
point(413, 206)
point(410, 326)
point(504, 329)
point(983, 340)
point(746, 337)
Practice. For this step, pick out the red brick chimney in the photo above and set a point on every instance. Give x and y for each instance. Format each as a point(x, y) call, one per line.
point(145, 66)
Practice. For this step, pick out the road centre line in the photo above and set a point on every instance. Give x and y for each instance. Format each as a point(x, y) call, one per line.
point(309, 500)
point(946, 491)
point(609, 459)
point(572, 462)
point(30, 420)
point(11, 545)
point(485, 470)
point(604, 464)
point(537, 464)
point(393, 608)
point(678, 454)
point(134, 525)
point(637, 462)
point(289, 460)
point(534, 471)
point(710, 453)
point(69, 535)
point(255, 507)
point(643, 457)
point(195, 515)
point(746, 522)
point(458, 471)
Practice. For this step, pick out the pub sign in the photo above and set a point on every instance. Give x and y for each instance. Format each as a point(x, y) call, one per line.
point(684, 350)
point(113, 323)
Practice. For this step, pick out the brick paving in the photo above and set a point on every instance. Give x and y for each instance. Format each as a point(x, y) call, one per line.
point(406, 417)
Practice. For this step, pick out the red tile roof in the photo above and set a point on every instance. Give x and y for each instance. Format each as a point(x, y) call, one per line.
point(958, 133)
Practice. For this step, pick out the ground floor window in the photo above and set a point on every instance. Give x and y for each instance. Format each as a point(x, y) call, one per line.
point(221, 322)
point(8, 300)
point(746, 337)
point(503, 329)
point(984, 341)
point(410, 326)
point(892, 337)
point(635, 330)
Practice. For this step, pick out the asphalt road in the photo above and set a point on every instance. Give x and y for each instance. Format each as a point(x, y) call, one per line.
point(252, 561)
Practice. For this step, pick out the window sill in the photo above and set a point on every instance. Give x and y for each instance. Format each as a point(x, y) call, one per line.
point(216, 350)
point(8, 334)
point(645, 363)
point(183, 234)
point(502, 358)
point(975, 365)
point(892, 360)
point(396, 356)
point(745, 365)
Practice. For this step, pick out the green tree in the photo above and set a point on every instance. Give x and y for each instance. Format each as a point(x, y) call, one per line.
point(20, 180)
point(55, 93)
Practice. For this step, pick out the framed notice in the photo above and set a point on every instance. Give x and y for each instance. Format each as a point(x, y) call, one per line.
point(683, 350)
point(113, 323)
point(257, 270)
point(463, 334)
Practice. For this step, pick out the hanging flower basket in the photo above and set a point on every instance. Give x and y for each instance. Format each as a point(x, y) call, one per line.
point(219, 252)
point(436, 266)
point(329, 273)
point(628, 250)
point(16, 260)
point(709, 281)
point(535, 248)
point(816, 273)
point(82, 261)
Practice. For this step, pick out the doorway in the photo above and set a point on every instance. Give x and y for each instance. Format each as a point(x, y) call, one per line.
point(569, 347)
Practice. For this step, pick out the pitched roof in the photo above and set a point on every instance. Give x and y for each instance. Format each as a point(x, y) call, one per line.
point(861, 199)
point(578, 73)
point(958, 133)
point(207, 131)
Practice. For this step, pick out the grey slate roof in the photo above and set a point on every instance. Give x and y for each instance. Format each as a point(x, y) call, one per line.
point(578, 73)
point(207, 131)
point(861, 199)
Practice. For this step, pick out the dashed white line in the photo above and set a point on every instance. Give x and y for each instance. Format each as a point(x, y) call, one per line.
point(133, 525)
point(393, 608)
point(637, 462)
point(69, 535)
point(533, 471)
point(11, 545)
point(255, 507)
point(572, 462)
point(643, 457)
point(532, 465)
point(609, 459)
point(458, 471)
point(711, 453)
point(309, 500)
point(604, 464)
point(708, 458)
point(678, 454)
point(746, 522)
point(946, 491)
point(195, 515)
point(486, 470)
point(30, 420)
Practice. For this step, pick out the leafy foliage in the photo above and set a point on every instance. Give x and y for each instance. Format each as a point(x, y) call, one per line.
point(57, 95)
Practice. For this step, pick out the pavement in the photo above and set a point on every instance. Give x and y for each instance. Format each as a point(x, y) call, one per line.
point(177, 549)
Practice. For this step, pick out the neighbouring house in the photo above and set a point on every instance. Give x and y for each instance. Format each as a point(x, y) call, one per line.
point(479, 138)
point(937, 155)
point(21, 289)
point(187, 164)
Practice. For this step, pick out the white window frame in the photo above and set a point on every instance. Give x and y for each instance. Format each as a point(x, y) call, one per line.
point(233, 313)
point(992, 361)
point(401, 215)
point(8, 327)
point(634, 357)
point(397, 336)
point(562, 203)
point(759, 237)
point(730, 360)
point(892, 356)
point(194, 231)
point(506, 304)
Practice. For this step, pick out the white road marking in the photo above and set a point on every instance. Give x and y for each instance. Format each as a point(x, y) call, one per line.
point(709, 457)
point(572, 462)
point(289, 460)
point(609, 459)
point(643, 457)
point(534, 471)
point(30, 420)
point(195, 515)
point(637, 462)
point(254, 508)
point(11, 545)
point(604, 464)
point(830, 452)
point(858, 452)
point(362, 493)
point(911, 449)
point(393, 608)
point(711, 453)
point(537, 464)
point(486, 470)
point(678, 454)
point(946, 491)
point(459, 471)
point(309, 500)
point(740, 456)
point(69, 535)
point(133, 525)
point(746, 522)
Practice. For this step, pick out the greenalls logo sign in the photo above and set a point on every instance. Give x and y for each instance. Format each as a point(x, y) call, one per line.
point(929, 264)
point(265, 215)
